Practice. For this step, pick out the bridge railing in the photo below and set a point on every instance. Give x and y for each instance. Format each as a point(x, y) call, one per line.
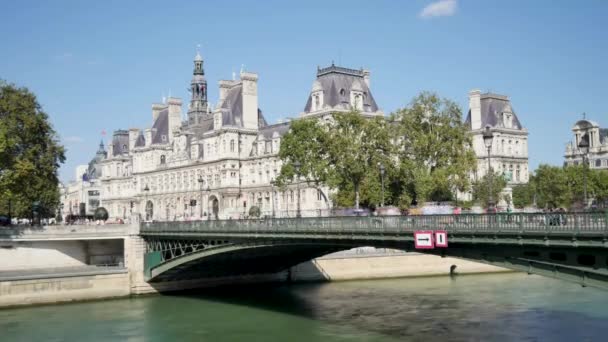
point(497, 223)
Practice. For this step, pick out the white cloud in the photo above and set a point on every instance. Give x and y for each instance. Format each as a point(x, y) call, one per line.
point(441, 8)
point(73, 139)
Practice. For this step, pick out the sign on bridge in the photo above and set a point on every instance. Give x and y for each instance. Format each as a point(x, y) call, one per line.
point(423, 239)
point(428, 239)
point(441, 238)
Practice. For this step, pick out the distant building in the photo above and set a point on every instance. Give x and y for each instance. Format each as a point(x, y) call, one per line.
point(597, 138)
point(509, 151)
point(82, 195)
point(221, 160)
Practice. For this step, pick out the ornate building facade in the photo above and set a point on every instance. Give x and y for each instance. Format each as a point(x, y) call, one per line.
point(509, 150)
point(596, 137)
point(219, 162)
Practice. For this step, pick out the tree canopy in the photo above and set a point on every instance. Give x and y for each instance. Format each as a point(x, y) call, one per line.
point(30, 154)
point(424, 150)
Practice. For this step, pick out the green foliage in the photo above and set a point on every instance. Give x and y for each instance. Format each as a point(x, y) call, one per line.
point(254, 211)
point(30, 154)
point(306, 143)
point(101, 214)
point(481, 188)
point(523, 195)
point(433, 149)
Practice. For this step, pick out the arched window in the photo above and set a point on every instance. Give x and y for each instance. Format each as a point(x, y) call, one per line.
point(162, 159)
point(342, 92)
point(223, 145)
point(598, 163)
point(317, 105)
point(232, 145)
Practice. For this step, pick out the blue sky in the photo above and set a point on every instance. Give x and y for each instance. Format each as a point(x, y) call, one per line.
point(100, 65)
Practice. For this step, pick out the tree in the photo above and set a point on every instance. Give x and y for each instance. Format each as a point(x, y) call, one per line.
point(254, 211)
point(355, 147)
point(523, 194)
point(101, 214)
point(481, 188)
point(553, 187)
point(30, 154)
point(434, 149)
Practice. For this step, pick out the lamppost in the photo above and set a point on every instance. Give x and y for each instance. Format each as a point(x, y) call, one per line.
point(583, 146)
point(146, 190)
point(488, 136)
point(272, 183)
point(201, 183)
point(297, 165)
point(381, 166)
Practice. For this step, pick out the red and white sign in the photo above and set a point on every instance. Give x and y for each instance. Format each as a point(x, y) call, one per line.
point(441, 238)
point(423, 239)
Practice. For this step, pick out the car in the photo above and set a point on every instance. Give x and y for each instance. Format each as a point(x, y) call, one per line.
point(5, 221)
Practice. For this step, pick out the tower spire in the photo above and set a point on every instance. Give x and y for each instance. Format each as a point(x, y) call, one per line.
point(197, 110)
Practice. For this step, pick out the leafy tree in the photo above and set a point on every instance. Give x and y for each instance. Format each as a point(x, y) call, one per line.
point(306, 143)
point(481, 188)
point(101, 214)
point(523, 194)
point(254, 211)
point(433, 149)
point(30, 154)
point(355, 147)
point(553, 187)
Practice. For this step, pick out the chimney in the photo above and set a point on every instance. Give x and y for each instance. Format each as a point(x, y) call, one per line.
point(475, 108)
point(148, 136)
point(175, 115)
point(366, 77)
point(156, 108)
point(133, 134)
point(250, 99)
point(225, 85)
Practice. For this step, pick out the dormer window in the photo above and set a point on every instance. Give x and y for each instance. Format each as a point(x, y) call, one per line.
point(507, 120)
point(316, 102)
point(342, 92)
point(163, 137)
point(162, 159)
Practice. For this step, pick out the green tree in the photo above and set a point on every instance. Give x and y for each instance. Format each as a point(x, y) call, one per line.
point(356, 146)
point(481, 188)
point(30, 154)
point(553, 187)
point(306, 142)
point(523, 194)
point(434, 149)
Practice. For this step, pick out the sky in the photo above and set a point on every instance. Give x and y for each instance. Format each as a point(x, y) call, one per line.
point(99, 66)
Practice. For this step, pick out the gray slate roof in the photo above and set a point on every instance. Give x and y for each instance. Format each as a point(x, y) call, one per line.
point(232, 109)
point(280, 128)
point(492, 107)
point(141, 140)
point(162, 128)
point(334, 79)
point(603, 134)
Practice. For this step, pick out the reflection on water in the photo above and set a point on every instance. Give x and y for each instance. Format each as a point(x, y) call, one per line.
point(511, 307)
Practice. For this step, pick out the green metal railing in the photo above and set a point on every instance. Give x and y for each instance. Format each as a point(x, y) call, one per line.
point(577, 223)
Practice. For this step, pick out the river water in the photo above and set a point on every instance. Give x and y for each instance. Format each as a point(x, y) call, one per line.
point(497, 307)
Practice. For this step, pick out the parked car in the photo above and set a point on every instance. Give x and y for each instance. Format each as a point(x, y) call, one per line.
point(5, 221)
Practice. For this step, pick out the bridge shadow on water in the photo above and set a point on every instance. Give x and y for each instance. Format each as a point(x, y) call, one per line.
point(482, 308)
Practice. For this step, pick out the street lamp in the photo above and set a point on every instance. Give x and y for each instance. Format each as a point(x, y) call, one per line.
point(297, 165)
point(381, 166)
point(583, 146)
point(272, 183)
point(200, 186)
point(488, 136)
point(146, 190)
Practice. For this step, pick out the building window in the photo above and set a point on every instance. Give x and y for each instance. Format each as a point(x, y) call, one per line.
point(232, 145)
point(342, 92)
point(319, 195)
point(163, 137)
point(598, 163)
point(162, 159)
point(517, 173)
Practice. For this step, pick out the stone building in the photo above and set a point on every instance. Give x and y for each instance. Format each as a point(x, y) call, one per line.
point(220, 161)
point(509, 150)
point(596, 137)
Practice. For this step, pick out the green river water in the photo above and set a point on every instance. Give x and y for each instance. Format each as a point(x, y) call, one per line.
point(497, 307)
